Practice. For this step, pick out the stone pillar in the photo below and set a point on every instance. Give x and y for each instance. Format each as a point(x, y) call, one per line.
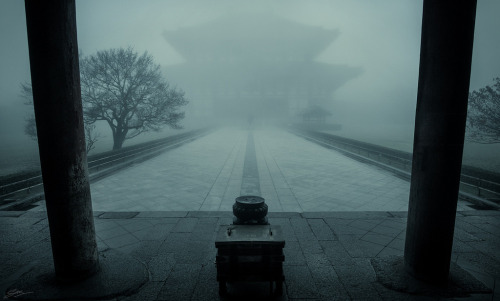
point(55, 78)
point(443, 87)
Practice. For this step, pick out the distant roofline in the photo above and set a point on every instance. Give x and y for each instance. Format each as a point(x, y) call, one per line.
point(247, 35)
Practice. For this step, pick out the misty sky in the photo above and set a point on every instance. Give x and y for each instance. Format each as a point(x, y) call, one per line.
point(382, 37)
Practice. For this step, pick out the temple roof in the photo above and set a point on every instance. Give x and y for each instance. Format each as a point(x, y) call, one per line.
point(279, 75)
point(250, 36)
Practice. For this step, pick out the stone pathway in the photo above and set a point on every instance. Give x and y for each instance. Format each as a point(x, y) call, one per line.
point(292, 174)
point(327, 255)
point(337, 215)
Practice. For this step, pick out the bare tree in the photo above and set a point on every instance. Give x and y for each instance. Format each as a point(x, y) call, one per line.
point(483, 116)
point(314, 114)
point(91, 135)
point(128, 92)
point(30, 126)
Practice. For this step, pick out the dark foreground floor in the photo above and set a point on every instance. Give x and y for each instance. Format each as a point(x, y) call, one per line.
point(328, 256)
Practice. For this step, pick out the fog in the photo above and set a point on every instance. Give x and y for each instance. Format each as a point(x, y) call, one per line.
point(264, 59)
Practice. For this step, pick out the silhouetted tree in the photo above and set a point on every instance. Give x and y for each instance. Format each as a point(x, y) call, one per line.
point(128, 92)
point(483, 116)
point(314, 113)
point(125, 90)
point(30, 126)
point(91, 136)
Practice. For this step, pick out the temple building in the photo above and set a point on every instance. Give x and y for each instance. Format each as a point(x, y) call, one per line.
point(254, 64)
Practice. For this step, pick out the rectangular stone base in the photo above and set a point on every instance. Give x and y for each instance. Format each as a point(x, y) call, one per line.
point(250, 253)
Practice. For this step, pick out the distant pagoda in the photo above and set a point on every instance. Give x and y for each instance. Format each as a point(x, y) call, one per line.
point(260, 65)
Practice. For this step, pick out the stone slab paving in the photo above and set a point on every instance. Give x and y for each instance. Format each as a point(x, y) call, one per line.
point(293, 175)
point(195, 176)
point(327, 254)
point(307, 177)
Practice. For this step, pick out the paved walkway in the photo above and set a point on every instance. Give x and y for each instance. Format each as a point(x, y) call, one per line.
point(338, 217)
point(328, 256)
point(292, 174)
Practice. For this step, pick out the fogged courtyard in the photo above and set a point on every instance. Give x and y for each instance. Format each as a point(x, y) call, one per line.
point(175, 150)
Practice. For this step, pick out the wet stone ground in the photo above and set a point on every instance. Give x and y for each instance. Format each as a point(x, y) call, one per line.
point(327, 255)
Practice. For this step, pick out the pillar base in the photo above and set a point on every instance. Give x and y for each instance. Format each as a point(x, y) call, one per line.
point(118, 275)
point(391, 273)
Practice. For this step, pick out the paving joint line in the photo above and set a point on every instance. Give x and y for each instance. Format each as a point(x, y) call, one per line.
point(230, 175)
point(269, 173)
point(218, 175)
point(284, 179)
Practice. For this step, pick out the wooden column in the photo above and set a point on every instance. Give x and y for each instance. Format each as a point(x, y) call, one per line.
point(55, 78)
point(443, 87)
